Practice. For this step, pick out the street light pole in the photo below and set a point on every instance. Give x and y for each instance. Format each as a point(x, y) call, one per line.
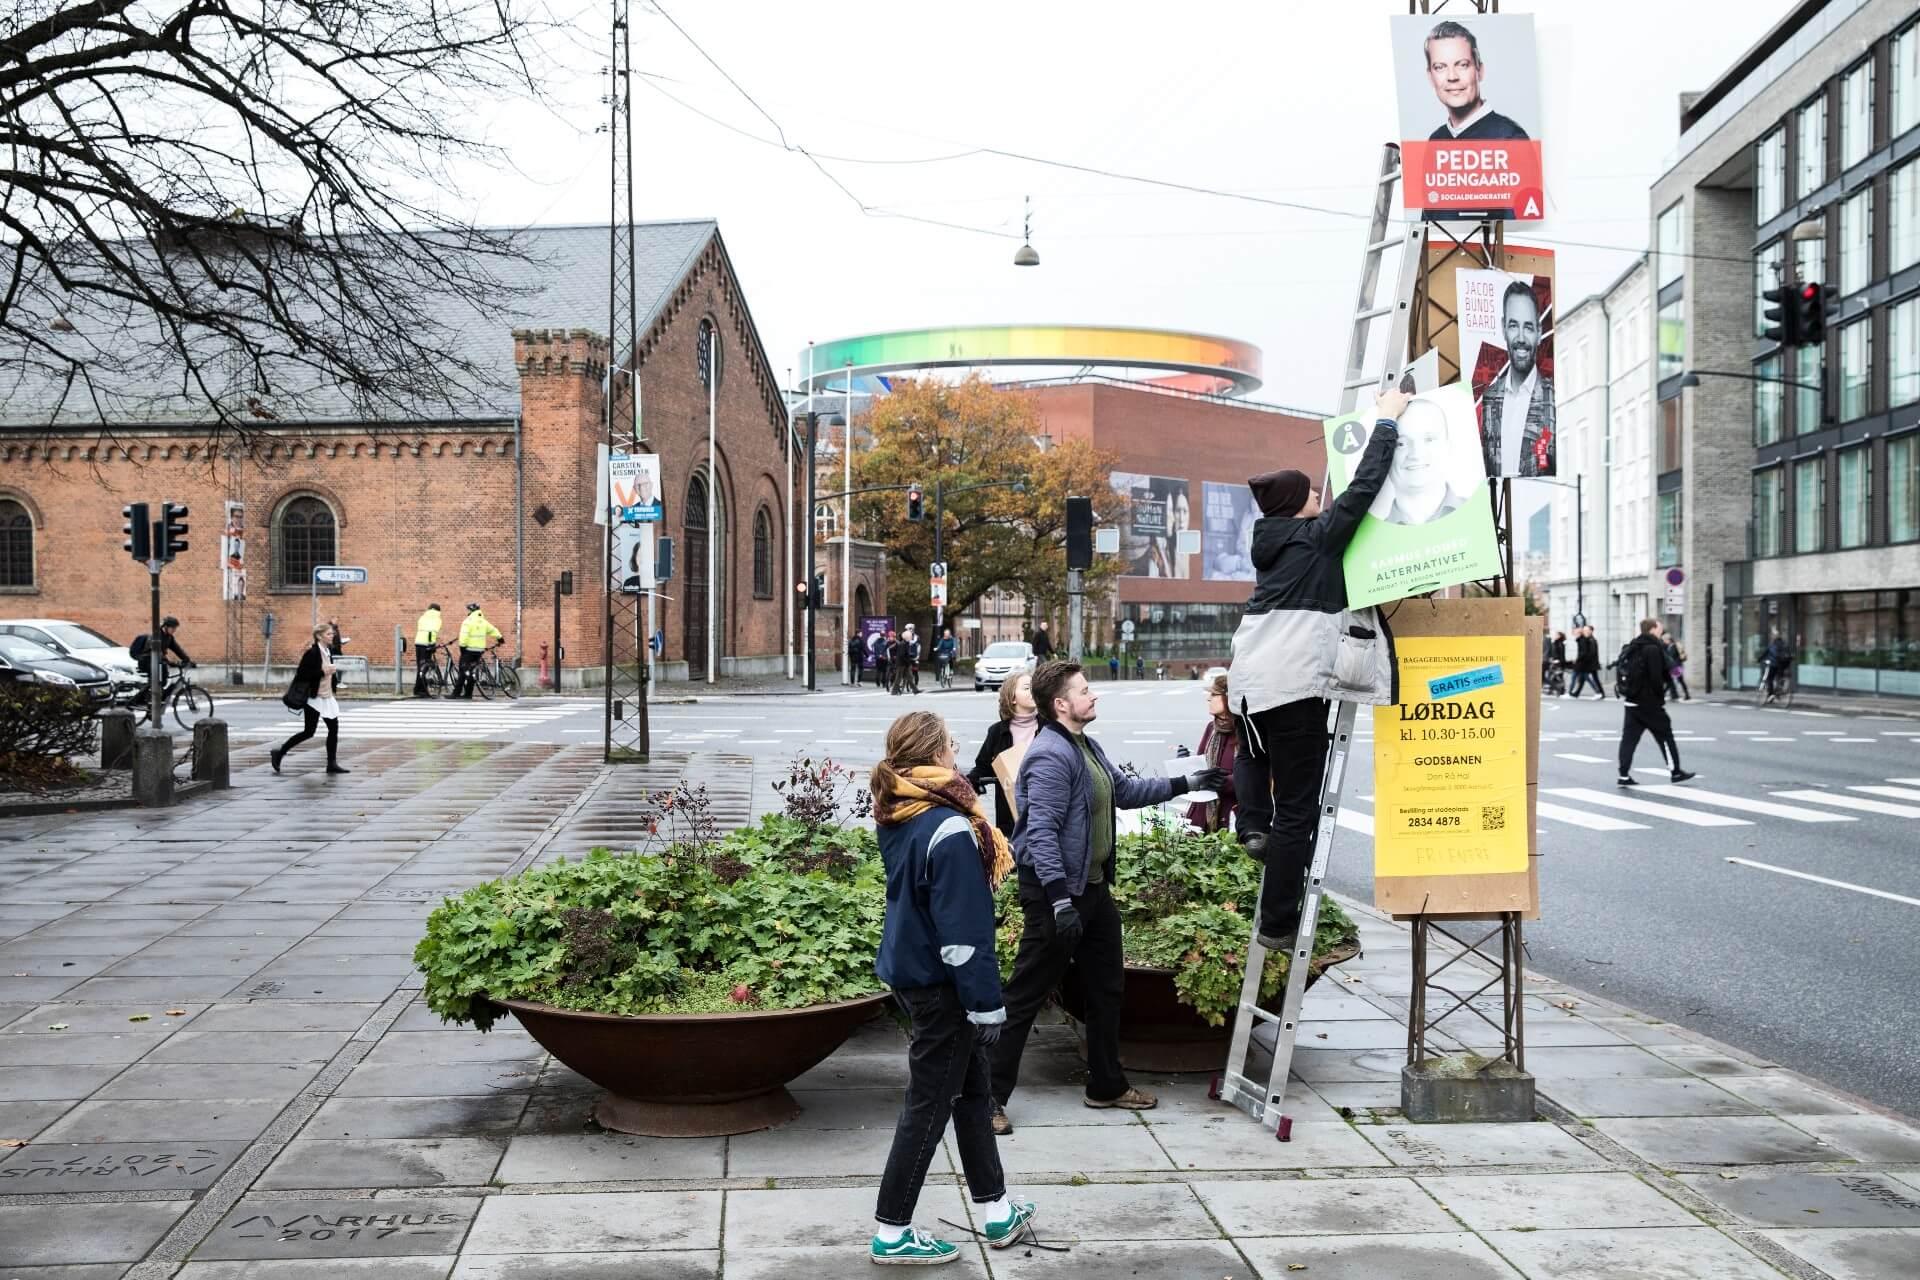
point(846, 528)
point(813, 603)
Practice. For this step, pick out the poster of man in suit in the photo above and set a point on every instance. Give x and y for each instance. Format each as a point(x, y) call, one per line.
point(1506, 352)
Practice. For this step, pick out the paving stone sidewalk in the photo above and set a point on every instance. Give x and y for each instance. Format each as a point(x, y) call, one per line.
point(213, 1064)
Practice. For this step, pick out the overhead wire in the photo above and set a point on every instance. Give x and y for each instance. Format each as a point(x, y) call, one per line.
point(785, 144)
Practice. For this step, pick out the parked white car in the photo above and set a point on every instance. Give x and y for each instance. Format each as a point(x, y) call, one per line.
point(84, 644)
point(1002, 659)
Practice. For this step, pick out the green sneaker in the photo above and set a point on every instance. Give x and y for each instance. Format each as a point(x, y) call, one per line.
point(914, 1249)
point(1013, 1229)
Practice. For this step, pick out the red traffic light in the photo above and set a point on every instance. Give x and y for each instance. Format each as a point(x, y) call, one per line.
point(1810, 292)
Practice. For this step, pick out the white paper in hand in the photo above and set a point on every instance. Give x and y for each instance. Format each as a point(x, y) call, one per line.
point(1186, 767)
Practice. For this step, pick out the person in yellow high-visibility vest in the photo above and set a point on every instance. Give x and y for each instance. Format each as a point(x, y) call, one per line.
point(426, 634)
point(476, 633)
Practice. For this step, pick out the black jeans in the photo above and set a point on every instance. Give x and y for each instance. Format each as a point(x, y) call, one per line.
point(1580, 681)
point(422, 663)
point(1099, 967)
point(469, 666)
point(947, 1079)
point(1277, 772)
point(1647, 718)
point(854, 666)
point(313, 722)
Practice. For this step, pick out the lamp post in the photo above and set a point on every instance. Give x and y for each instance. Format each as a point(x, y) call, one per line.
point(846, 526)
point(813, 600)
point(1691, 378)
point(1579, 542)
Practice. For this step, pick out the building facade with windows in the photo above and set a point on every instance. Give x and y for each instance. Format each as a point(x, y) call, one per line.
point(1603, 529)
point(489, 503)
point(1787, 484)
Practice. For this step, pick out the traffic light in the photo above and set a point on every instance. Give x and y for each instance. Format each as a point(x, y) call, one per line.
point(819, 590)
point(1783, 315)
point(173, 530)
point(800, 593)
point(915, 511)
point(1079, 533)
point(1810, 320)
point(139, 543)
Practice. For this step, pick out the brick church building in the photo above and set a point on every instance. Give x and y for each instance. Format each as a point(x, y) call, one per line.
point(490, 504)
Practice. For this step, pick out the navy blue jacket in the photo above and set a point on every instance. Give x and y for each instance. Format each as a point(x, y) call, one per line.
point(1054, 793)
point(940, 921)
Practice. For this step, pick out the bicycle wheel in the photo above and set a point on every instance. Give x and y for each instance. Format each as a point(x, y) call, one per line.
point(486, 681)
point(1786, 693)
point(509, 681)
point(191, 704)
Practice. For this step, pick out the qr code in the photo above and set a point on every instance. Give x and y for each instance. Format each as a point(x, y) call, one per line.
point(1493, 817)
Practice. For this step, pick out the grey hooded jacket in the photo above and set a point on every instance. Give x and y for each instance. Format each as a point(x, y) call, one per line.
point(1297, 638)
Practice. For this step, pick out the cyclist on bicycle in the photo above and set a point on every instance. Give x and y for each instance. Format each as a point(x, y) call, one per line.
point(477, 635)
point(945, 650)
point(1776, 662)
point(142, 647)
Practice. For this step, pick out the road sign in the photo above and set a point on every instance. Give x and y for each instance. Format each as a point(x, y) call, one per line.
point(1126, 627)
point(1675, 577)
point(339, 574)
point(1676, 600)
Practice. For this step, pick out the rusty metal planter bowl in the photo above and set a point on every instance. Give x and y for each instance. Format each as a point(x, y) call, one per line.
point(1160, 1033)
point(688, 1075)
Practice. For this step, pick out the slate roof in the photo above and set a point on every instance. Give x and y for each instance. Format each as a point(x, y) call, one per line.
point(561, 283)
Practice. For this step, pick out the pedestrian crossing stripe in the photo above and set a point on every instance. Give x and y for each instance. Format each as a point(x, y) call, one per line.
point(1581, 818)
point(1891, 793)
point(1671, 812)
point(1792, 813)
point(1861, 803)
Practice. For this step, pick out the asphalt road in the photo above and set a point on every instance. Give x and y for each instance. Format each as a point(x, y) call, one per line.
point(1641, 905)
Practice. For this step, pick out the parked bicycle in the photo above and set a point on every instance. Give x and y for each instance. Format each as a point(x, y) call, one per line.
point(441, 670)
point(190, 703)
point(1554, 681)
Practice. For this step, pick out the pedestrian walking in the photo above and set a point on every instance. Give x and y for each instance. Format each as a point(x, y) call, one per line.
point(1016, 726)
point(856, 656)
point(1113, 666)
point(896, 663)
point(943, 861)
point(312, 693)
point(476, 633)
point(1643, 684)
point(912, 641)
point(1677, 672)
point(1067, 794)
point(1219, 746)
point(1297, 646)
point(1042, 644)
point(877, 653)
point(1586, 663)
point(426, 635)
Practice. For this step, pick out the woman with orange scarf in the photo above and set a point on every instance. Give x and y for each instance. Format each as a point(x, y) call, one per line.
point(944, 860)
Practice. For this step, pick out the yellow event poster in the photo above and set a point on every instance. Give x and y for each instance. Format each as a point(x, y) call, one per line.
point(1450, 759)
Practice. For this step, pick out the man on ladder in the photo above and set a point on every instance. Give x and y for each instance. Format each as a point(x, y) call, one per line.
point(1296, 646)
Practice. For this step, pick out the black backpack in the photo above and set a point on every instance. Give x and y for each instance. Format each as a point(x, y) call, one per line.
point(1626, 674)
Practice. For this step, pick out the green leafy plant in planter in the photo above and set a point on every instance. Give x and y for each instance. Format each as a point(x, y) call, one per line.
point(780, 914)
point(1187, 902)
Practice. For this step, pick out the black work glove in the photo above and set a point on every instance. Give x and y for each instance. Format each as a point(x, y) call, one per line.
point(987, 1033)
point(1214, 780)
point(1067, 925)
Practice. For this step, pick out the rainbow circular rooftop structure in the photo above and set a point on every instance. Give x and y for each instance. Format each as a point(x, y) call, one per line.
point(1198, 362)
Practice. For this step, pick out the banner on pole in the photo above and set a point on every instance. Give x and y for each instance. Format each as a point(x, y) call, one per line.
point(233, 552)
point(1506, 351)
point(1450, 759)
point(1431, 525)
point(1469, 91)
point(633, 486)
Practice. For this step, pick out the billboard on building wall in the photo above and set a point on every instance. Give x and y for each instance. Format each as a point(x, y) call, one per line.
point(1506, 352)
point(1159, 510)
point(1227, 514)
point(1469, 92)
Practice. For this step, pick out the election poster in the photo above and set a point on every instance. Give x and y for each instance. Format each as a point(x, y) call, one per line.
point(1430, 525)
point(1469, 93)
point(1158, 512)
point(233, 552)
point(1506, 352)
point(633, 486)
point(632, 568)
point(1450, 759)
point(1226, 523)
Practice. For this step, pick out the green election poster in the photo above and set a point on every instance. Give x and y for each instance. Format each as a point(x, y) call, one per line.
point(1431, 525)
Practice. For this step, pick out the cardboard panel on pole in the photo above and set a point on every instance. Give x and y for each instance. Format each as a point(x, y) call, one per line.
point(1441, 896)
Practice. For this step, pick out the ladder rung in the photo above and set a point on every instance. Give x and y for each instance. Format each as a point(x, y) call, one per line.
point(1389, 243)
point(1259, 1014)
point(1358, 383)
point(1374, 313)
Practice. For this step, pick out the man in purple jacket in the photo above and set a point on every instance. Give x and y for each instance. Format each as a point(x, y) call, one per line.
point(1067, 794)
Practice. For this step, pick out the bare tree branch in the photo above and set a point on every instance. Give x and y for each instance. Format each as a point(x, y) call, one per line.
point(227, 213)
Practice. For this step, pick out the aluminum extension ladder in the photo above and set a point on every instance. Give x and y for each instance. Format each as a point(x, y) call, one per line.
point(1264, 1100)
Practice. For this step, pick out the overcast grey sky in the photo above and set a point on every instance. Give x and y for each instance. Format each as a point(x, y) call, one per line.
point(1287, 101)
point(1279, 100)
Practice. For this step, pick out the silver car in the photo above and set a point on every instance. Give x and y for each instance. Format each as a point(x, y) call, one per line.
point(1002, 660)
point(84, 644)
